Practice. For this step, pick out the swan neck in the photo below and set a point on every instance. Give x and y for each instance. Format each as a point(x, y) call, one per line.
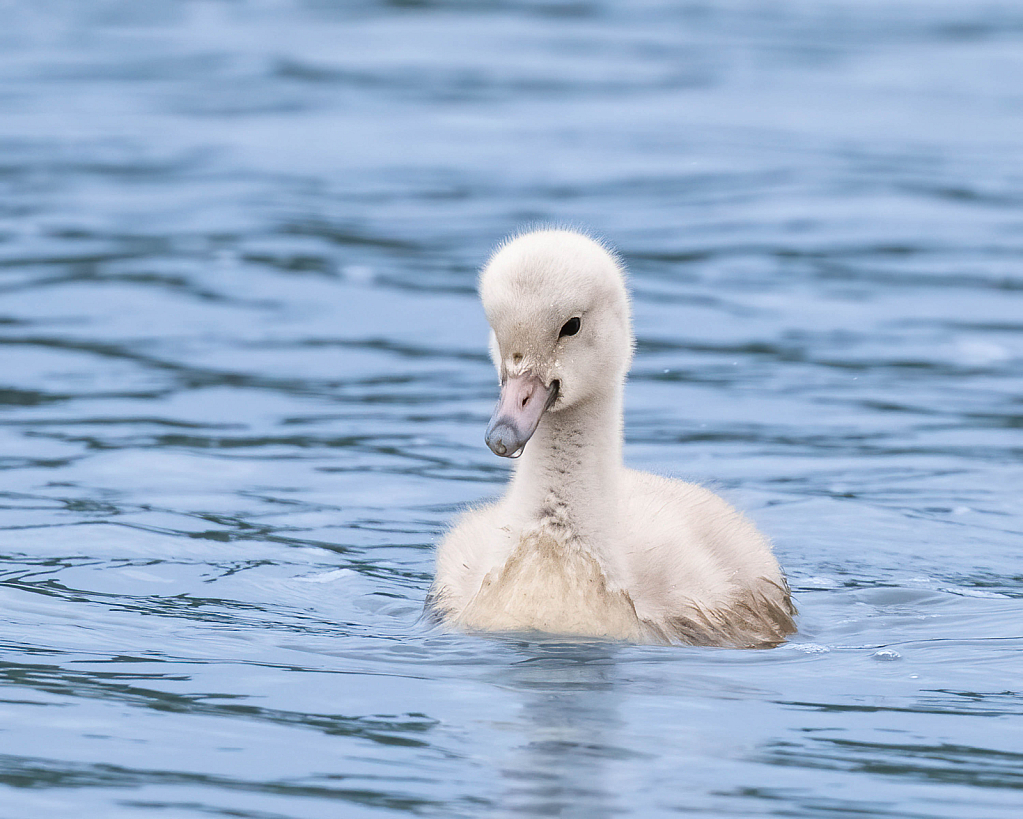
point(571, 469)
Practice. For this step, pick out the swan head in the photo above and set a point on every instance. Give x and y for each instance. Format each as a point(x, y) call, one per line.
point(561, 330)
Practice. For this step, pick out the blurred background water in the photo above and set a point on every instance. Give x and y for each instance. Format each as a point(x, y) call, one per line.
point(244, 385)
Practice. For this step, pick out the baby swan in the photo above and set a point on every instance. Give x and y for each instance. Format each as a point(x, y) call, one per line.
point(580, 545)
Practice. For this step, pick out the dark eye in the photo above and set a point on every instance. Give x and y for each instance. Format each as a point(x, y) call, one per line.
point(571, 328)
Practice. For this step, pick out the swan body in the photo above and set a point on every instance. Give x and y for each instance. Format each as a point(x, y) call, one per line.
point(580, 545)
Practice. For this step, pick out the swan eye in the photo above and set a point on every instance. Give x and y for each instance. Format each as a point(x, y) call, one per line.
point(571, 327)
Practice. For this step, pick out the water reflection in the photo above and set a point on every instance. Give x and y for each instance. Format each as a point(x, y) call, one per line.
point(568, 731)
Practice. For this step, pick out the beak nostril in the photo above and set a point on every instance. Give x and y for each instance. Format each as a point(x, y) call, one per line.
point(524, 399)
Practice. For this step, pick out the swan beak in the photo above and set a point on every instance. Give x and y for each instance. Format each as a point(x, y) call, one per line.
point(524, 399)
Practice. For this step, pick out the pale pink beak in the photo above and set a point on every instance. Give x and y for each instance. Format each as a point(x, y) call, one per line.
point(524, 399)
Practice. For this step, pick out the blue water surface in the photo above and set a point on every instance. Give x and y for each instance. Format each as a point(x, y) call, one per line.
point(244, 384)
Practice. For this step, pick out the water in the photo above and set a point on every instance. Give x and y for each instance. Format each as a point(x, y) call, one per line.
point(244, 387)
